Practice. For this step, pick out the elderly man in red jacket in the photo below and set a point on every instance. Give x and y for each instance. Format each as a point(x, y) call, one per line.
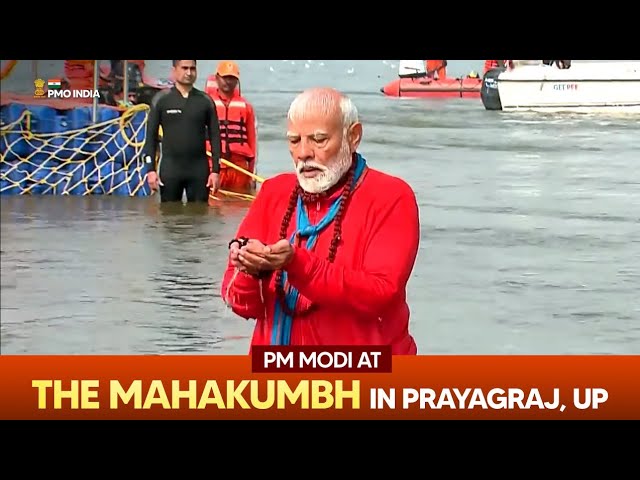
point(324, 253)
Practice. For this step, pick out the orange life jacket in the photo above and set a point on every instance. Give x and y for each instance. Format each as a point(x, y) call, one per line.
point(234, 119)
point(438, 67)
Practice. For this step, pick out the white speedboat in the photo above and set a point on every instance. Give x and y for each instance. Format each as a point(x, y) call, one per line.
point(611, 86)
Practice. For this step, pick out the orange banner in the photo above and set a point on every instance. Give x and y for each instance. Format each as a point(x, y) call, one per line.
point(226, 387)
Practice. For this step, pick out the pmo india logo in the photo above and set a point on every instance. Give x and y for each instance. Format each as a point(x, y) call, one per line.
point(55, 90)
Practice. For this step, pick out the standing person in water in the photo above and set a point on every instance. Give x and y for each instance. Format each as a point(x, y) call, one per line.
point(238, 127)
point(324, 254)
point(188, 118)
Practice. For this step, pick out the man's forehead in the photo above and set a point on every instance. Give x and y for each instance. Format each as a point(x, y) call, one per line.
point(314, 127)
point(318, 132)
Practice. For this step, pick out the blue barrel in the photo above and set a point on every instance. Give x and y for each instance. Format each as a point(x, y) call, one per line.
point(45, 178)
point(13, 177)
point(123, 147)
point(136, 132)
point(93, 177)
point(60, 143)
point(120, 182)
point(109, 154)
point(62, 176)
point(59, 176)
point(44, 120)
point(109, 139)
point(78, 173)
point(80, 147)
point(60, 187)
point(109, 174)
point(13, 145)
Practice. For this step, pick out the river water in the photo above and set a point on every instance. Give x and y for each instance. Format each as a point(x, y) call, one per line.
point(530, 231)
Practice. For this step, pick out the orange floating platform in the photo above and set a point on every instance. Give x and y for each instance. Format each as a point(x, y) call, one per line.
point(421, 87)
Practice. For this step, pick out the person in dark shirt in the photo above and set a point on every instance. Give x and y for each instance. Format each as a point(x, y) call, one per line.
point(188, 118)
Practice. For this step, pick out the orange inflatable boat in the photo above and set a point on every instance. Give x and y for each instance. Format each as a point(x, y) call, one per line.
point(428, 78)
point(468, 87)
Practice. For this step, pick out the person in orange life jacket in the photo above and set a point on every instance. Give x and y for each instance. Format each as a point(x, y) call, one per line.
point(436, 69)
point(237, 127)
point(324, 254)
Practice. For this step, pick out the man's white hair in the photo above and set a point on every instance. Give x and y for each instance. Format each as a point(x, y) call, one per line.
point(323, 101)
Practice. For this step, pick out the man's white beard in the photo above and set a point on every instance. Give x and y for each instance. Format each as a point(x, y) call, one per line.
point(330, 174)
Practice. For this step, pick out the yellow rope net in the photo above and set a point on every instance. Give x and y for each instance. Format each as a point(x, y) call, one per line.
point(60, 152)
point(48, 151)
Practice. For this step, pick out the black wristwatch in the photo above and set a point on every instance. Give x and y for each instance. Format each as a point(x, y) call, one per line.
point(242, 241)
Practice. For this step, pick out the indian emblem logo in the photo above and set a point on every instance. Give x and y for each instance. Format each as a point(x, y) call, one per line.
point(39, 91)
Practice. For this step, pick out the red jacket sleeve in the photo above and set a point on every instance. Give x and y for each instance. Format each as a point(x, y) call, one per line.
point(240, 291)
point(389, 260)
point(252, 136)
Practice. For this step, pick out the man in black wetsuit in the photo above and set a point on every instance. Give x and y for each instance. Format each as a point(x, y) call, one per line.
point(188, 117)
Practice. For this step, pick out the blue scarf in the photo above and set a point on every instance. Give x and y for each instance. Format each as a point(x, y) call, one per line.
point(281, 331)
